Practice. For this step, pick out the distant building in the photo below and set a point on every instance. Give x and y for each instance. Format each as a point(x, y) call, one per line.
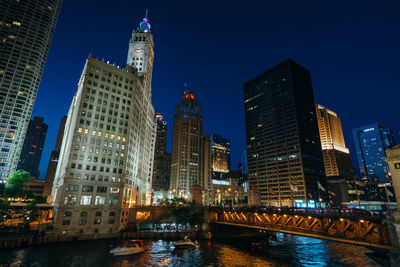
point(55, 154)
point(283, 146)
point(27, 29)
point(370, 143)
point(106, 159)
point(221, 156)
point(206, 171)
point(336, 155)
point(162, 159)
point(32, 149)
point(186, 145)
point(36, 186)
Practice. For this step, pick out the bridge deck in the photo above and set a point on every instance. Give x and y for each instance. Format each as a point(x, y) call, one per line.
point(352, 230)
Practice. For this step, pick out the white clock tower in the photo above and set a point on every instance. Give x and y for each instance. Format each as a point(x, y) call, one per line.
point(141, 53)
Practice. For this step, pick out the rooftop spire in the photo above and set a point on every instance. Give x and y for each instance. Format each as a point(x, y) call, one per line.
point(145, 25)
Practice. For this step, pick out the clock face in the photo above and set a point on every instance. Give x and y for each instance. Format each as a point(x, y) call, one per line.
point(139, 50)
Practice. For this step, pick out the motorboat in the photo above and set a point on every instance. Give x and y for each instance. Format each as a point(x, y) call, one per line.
point(185, 243)
point(133, 247)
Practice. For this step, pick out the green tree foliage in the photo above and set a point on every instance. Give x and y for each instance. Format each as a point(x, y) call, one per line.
point(17, 184)
point(184, 211)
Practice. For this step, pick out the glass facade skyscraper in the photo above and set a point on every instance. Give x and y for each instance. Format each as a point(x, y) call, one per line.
point(33, 146)
point(370, 143)
point(283, 145)
point(221, 156)
point(26, 30)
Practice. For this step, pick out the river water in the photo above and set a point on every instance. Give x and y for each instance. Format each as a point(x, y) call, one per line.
point(286, 250)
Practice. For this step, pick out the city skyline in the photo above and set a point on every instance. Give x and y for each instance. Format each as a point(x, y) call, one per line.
point(337, 65)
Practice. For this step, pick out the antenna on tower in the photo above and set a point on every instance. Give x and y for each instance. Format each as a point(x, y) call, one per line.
point(186, 86)
point(146, 12)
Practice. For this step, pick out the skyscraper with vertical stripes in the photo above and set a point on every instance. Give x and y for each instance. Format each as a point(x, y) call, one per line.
point(26, 31)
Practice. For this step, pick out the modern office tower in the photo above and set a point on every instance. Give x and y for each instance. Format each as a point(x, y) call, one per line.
point(162, 159)
point(207, 171)
point(336, 155)
point(221, 156)
point(26, 30)
point(283, 146)
point(106, 158)
point(161, 135)
point(186, 145)
point(32, 148)
point(55, 154)
point(370, 142)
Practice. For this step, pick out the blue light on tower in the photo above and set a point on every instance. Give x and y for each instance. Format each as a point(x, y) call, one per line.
point(145, 25)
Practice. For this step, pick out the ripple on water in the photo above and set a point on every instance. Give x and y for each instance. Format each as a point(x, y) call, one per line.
point(287, 250)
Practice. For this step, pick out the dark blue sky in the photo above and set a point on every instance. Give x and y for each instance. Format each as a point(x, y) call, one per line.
point(350, 47)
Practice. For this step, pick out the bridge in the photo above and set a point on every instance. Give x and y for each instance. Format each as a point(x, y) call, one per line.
point(349, 226)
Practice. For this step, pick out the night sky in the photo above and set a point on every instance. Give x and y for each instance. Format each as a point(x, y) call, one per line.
point(351, 49)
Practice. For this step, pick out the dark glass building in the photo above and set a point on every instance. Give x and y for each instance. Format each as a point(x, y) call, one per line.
point(162, 159)
point(26, 30)
point(55, 154)
point(283, 145)
point(221, 156)
point(370, 143)
point(33, 146)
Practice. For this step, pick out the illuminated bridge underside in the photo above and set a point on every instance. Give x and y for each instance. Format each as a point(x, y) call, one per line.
point(358, 232)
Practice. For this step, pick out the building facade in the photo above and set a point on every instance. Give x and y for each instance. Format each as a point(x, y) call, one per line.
point(336, 155)
point(162, 159)
point(370, 143)
point(54, 156)
point(221, 156)
point(283, 147)
point(186, 145)
point(32, 148)
point(106, 158)
point(26, 31)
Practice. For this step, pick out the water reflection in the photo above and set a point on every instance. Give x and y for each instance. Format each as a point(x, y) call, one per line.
point(287, 250)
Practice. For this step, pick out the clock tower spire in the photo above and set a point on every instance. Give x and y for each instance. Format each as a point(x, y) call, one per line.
point(141, 45)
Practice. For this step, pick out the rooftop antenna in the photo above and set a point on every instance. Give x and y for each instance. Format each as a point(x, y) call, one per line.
point(146, 12)
point(186, 86)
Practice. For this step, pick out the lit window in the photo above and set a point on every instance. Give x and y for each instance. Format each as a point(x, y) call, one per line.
point(79, 130)
point(93, 132)
point(86, 131)
point(85, 200)
point(100, 200)
point(114, 190)
point(99, 134)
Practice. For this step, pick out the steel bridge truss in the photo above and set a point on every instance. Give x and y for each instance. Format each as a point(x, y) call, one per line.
point(361, 232)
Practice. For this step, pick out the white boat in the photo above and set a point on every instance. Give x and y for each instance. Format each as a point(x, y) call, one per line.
point(133, 247)
point(186, 243)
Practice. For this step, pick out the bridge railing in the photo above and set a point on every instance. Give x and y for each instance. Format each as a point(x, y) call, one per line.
point(352, 214)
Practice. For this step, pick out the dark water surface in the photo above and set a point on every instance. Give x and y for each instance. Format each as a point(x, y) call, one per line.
point(287, 250)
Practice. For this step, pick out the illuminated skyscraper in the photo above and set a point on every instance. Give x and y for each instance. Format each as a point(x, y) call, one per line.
point(370, 142)
point(186, 145)
point(33, 146)
point(221, 156)
point(336, 155)
point(26, 30)
point(283, 146)
point(337, 162)
point(106, 159)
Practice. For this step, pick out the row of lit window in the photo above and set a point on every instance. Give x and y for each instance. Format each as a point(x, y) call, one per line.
point(111, 136)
